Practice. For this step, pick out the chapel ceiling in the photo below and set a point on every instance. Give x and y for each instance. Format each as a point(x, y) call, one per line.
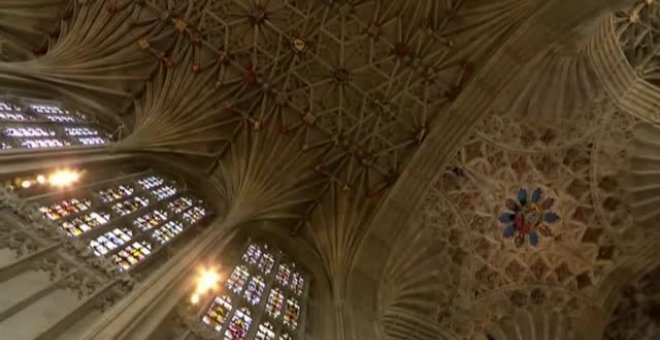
point(310, 111)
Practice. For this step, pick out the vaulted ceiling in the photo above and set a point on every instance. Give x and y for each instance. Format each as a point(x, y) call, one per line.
point(401, 139)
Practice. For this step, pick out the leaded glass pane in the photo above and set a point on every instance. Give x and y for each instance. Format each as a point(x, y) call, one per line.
point(82, 224)
point(237, 279)
point(110, 240)
point(217, 314)
point(254, 290)
point(180, 204)
point(150, 182)
point(167, 232)
point(266, 263)
point(130, 205)
point(266, 331)
point(115, 192)
point(132, 254)
point(297, 283)
point(283, 273)
point(239, 325)
point(164, 192)
point(65, 208)
point(150, 220)
point(275, 303)
point(194, 214)
point(252, 254)
point(291, 313)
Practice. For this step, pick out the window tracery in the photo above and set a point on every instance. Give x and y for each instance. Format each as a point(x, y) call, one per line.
point(31, 124)
point(257, 302)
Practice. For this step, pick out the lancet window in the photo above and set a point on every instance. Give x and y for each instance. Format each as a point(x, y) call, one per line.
point(256, 301)
point(38, 124)
point(124, 218)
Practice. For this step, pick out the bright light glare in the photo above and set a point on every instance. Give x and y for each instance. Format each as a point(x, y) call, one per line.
point(207, 281)
point(63, 178)
point(26, 184)
point(41, 179)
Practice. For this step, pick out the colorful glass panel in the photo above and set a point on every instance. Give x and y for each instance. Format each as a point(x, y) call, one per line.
point(283, 274)
point(217, 314)
point(46, 108)
point(194, 214)
point(65, 208)
point(130, 205)
point(110, 240)
point(85, 223)
point(27, 131)
point(151, 220)
point(291, 313)
point(266, 331)
point(237, 279)
point(92, 140)
point(297, 283)
point(266, 263)
point(180, 204)
point(80, 131)
point(164, 192)
point(254, 290)
point(150, 182)
point(115, 192)
point(252, 254)
point(239, 325)
point(43, 143)
point(131, 255)
point(275, 303)
point(167, 232)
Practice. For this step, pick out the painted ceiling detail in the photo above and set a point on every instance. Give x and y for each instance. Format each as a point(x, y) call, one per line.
point(528, 217)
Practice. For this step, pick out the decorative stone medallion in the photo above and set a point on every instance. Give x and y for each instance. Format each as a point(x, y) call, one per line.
point(528, 216)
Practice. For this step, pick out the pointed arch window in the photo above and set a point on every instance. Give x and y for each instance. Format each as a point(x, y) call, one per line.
point(125, 218)
point(268, 304)
point(38, 124)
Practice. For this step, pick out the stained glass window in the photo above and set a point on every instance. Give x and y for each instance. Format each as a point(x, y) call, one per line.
point(151, 182)
point(252, 254)
point(194, 214)
point(265, 331)
point(218, 313)
point(131, 255)
point(164, 192)
point(151, 220)
point(291, 313)
point(130, 205)
point(297, 283)
point(116, 192)
point(33, 124)
point(129, 224)
point(239, 325)
point(275, 303)
point(254, 290)
point(266, 263)
point(237, 279)
point(110, 240)
point(180, 204)
point(283, 273)
point(79, 225)
point(167, 232)
point(65, 208)
point(252, 281)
